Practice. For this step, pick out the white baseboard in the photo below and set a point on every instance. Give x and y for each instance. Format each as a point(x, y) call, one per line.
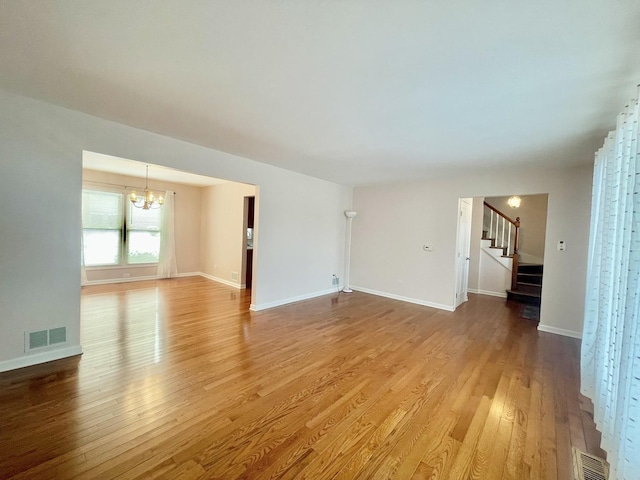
point(41, 357)
point(136, 279)
point(487, 292)
point(559, 331)
point(119, 280)
point(440, 306)
point(221, 280)
point(278, 303)
point(189, 274)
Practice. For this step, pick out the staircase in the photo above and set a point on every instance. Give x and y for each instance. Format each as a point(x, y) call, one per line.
point(503, 234)
point(528, 285)
point(500, 254)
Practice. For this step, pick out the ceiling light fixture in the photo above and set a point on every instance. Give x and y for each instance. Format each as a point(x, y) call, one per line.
point(148, 199)
point(514, 202)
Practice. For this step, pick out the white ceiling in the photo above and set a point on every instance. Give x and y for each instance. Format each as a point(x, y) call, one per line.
point(351, 91)
point(132, 168)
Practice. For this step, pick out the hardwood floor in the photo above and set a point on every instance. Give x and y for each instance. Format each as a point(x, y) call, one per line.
point(180, 380)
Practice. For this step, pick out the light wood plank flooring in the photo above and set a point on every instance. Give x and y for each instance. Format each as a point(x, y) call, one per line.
point(180, 381)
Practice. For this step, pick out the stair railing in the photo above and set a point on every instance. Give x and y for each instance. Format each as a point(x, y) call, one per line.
point(502, 230)
point(505, 234)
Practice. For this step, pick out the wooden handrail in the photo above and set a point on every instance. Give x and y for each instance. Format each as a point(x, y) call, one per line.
point(516, 222)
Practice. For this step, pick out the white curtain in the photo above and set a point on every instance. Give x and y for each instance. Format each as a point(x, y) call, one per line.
point(167, 266)
point(611, 339)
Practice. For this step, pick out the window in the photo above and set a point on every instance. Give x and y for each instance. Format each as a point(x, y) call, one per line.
point(114, 232)
point(143, 235)
point(102, 232)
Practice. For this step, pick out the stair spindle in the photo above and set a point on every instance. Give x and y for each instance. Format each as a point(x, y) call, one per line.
point(491, 213)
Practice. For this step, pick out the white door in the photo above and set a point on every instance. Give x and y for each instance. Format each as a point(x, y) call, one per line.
point(462, 249)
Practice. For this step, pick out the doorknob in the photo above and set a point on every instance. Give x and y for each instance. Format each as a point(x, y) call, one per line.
point(467, 258)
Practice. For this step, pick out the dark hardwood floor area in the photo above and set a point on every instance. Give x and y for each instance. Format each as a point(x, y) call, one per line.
point(180, 381)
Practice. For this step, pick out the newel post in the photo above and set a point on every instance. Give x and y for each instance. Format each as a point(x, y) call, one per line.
point(516, 257)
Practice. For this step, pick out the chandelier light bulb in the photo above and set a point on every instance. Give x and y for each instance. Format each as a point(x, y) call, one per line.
point(514, 202)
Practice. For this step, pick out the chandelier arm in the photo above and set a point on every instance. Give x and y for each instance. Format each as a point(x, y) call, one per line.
point(148, 199)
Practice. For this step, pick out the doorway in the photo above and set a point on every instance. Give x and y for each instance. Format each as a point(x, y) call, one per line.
point(463, 246)
point(208, 218)
point(249, 216)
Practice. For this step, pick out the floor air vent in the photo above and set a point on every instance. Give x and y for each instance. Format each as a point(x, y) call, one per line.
point(588, 467)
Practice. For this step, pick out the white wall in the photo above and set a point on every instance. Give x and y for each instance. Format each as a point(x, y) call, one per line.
point(187, 225)
point(301, 222)
point(474, 251)
point(223, 234)
point(394, 221)
point(494, 278)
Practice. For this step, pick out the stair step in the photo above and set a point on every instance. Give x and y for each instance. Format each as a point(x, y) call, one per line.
point(523, 293)
point(527, 298)
point(531, 278)
point(503, 249)
point(530, 268)
point(529, 288)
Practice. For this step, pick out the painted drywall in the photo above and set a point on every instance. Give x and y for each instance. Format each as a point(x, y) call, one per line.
point(395, 221)
point(301, 222)
point(222, 237)
point(533, 222)
point(474, 250)
point(494, 278)
point(187, 225)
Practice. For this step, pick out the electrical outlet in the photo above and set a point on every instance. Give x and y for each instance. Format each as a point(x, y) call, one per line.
point(334, 280)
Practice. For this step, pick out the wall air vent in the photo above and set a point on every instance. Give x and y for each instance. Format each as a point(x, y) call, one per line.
point(38, 339)
point(57, 335)
point(44, 338)
point(589, 467)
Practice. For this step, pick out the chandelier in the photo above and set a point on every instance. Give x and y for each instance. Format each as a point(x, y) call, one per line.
point(148, 199)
